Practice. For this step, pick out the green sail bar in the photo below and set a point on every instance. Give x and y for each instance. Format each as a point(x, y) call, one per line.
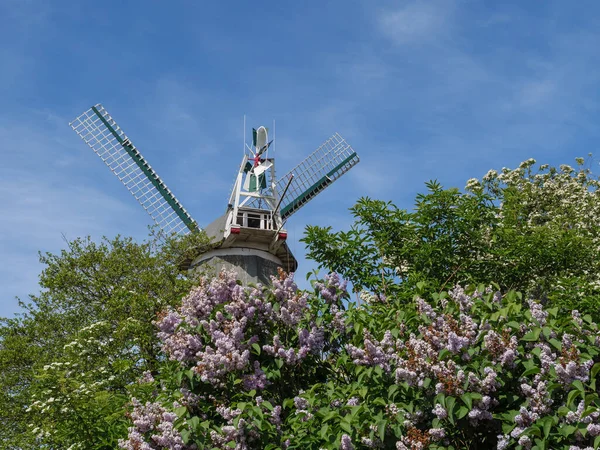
point(317, 187)
point(151, 175)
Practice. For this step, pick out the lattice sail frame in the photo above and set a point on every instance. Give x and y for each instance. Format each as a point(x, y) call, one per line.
point(319, 170)
point(102, 134)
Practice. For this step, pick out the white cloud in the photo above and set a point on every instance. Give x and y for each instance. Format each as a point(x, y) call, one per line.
point(416, 21)
point(375, 178)
point(537, 93)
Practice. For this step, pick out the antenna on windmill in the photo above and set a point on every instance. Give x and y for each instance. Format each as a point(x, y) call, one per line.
point(250, 236)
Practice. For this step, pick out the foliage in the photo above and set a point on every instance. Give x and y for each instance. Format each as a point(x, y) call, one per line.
point(535, 232)
point(277, 368)
point(420, 362)
point(67, 364)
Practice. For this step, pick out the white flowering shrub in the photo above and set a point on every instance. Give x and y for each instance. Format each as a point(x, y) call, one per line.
point(80, 399)
point(70, 360)
point(555, 212)
point(279, 368)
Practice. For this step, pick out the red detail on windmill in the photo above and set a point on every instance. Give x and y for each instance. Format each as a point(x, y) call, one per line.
point(235, 230)
point(282, 236)
point(257, 160)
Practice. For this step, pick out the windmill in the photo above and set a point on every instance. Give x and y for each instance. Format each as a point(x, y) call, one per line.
point(250, 236)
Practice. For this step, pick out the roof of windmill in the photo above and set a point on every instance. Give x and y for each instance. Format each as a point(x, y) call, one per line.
point(214, 230)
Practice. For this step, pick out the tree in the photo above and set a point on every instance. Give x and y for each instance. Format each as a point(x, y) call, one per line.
point(67, 363)
point(535, 232)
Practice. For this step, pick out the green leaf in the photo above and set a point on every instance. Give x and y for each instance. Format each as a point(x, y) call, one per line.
point(194, 422)
point(441, 399)
point(556, 344)
point(330, 415)
point(533, 335)
point(546, 331)
point(450, 402)
point(514, 325)
point(379, 401)
point(595, 369)
point(256, 348)
point(345, 426)
point(532, 371)
point(572, 396)
point(567, 430)
point(548, 422)
point(563, 411)
point(462, 412)
point(185, 435)
point(381, 429)
point(467, 400)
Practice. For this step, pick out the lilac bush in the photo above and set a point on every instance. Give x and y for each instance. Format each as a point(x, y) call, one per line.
point(470, 368)
point(235, 355)
point(274, 367)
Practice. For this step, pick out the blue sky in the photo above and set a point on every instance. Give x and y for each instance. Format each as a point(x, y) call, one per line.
point(422, 90)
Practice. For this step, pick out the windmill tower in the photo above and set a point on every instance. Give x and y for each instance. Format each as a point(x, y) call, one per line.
point(250, 236)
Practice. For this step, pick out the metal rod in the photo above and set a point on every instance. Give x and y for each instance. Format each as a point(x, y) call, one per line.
point(284, 191)
point(281, 199)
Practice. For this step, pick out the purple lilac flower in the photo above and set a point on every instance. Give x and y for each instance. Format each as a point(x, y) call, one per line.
point(440, 411)
point(538, 396)
point(525, 418)
point(276, 415)
point(593, 429)
point(152, 417)
point(437, 434)
point(525, 442)
point(369, 443)
point(465, 303)
point(346, 443)
point(425, 308)
point(573, 371)
point(537, 312)
point(374, 353)
point(331, 288)
point(354, 401)
point(503, 441)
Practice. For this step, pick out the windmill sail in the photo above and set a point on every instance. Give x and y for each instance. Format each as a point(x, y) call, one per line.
point(102, 134)
point(325, 165)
